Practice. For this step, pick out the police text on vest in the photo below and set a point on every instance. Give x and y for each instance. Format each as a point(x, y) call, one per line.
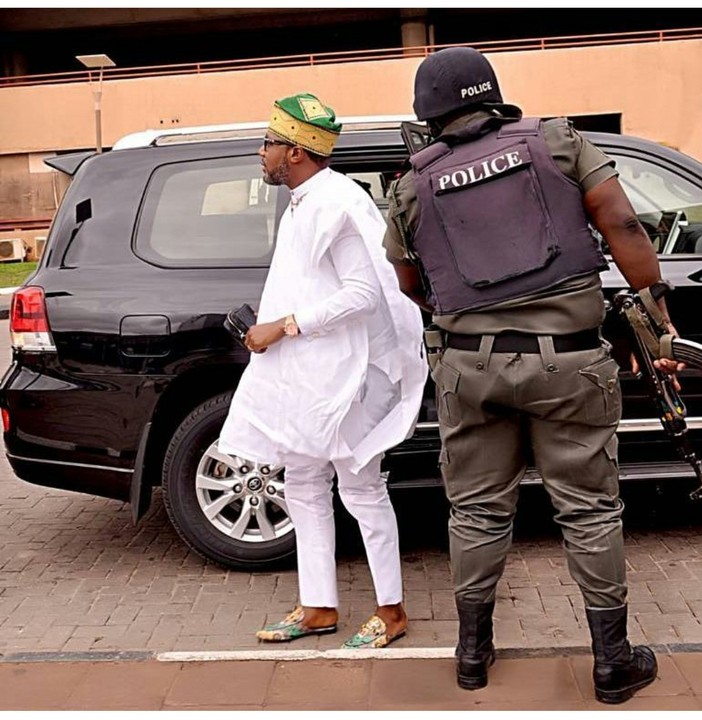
point(480, 171)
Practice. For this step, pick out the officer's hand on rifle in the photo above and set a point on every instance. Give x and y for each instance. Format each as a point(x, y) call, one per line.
point(671, 367)
point(666, 365)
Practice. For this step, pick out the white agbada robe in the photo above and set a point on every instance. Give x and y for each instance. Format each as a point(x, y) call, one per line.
point(359, 359)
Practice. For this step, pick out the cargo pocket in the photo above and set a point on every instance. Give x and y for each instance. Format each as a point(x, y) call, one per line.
point(448, 407)
point(603, 395)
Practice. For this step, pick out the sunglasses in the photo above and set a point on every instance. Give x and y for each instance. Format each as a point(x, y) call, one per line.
point(270, 141)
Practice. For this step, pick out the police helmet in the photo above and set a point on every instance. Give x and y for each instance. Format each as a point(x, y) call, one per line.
point(453, 78)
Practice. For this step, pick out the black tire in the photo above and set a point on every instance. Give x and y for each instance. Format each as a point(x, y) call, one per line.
point(264, 543)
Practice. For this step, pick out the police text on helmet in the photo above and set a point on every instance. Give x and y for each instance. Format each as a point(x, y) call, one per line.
point(480, 171)
point(476, 89)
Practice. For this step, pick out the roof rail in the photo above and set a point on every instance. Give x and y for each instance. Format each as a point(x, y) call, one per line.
point(145, 138)
point(209, 133)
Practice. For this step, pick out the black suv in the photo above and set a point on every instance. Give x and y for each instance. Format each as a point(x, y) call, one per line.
point(122, 370)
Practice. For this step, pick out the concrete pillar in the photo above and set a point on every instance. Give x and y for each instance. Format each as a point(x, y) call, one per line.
point(414, 30)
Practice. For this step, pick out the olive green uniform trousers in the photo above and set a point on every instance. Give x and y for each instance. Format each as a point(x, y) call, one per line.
point(492, 408)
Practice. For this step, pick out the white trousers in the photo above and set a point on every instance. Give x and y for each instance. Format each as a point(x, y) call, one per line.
point(308, 493)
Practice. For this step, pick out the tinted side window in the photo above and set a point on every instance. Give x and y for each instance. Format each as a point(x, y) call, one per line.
point(209, 213)
point(668, 206)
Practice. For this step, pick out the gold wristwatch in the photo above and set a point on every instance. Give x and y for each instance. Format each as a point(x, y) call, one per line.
point(290, 326)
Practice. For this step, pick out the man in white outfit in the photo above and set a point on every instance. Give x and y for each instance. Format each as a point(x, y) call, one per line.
point(337, 373)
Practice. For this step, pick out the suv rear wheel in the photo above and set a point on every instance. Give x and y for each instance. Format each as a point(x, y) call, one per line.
point(225, 508)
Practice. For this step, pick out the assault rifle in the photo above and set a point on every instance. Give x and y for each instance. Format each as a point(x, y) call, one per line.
point(652, 341)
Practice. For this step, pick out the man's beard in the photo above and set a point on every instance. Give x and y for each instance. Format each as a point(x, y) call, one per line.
point(278, 175)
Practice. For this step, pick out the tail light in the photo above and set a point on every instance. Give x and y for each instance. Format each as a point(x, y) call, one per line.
point(29, 324)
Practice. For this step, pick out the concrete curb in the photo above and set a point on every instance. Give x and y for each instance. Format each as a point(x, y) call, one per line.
point(94, 656)
point(301, 655)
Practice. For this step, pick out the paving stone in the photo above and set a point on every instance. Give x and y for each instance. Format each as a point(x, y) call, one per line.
point(165, 634)
point(642, 608)
point(123, 614)
point(646, 576)
point(639, 592)
point(418, 605)
point(443, 604)
point(660, 628)
point(690, 667)
point(676, 570)
point(331, 685)
point(509, 633)
point(361, 579)
point(414, 576)
point(111, 633)
point(123, 686)
point(556, 606)
point(38, 687)
point(163, 607)
point(691, 590)
point(669, 682)
point(55, 637)
point(360, 602)
point(78, 644)
point(548, 590)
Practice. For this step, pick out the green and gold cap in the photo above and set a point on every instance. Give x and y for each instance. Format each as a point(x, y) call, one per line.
point(303, 120)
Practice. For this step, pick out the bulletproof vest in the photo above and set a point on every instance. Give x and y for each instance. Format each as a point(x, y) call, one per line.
point(498, 220)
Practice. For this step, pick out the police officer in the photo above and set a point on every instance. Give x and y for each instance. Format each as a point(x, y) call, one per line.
point(489, 231)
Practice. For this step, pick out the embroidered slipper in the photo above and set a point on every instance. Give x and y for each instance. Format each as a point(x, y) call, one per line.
point(291, 628)
point(373, 634)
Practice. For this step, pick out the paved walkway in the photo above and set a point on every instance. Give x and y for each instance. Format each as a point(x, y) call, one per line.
point(94, 614)
point(76, 576)
point(92, 610)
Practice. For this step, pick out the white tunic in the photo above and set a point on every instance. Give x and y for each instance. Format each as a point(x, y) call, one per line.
point(350, 385)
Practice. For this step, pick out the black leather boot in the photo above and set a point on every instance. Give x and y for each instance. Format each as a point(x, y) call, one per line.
point(475, 651)
point(619, 670)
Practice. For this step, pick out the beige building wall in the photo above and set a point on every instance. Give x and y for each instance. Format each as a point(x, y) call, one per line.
point(655, 86)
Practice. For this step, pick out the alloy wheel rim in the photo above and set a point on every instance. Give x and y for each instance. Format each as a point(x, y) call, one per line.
point(243, 500)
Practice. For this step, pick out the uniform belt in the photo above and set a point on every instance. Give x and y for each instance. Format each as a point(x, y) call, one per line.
point(524, 343)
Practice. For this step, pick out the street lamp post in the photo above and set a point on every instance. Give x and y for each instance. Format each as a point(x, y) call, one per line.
point(92, 62)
